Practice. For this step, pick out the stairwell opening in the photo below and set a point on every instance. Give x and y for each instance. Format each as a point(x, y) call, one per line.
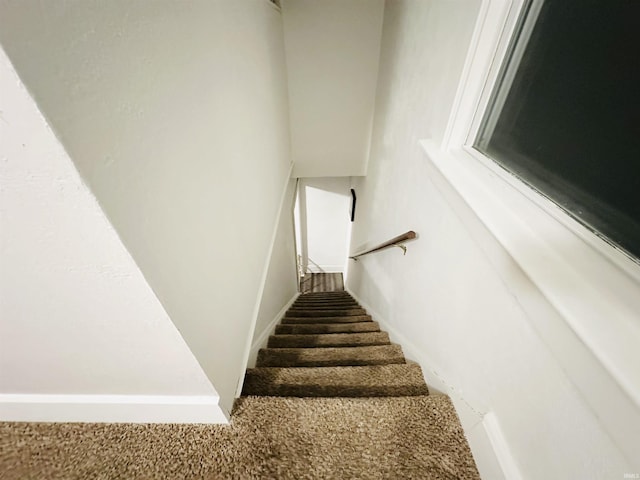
point(322, 216)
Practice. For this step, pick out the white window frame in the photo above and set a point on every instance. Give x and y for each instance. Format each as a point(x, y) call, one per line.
point(593, 286)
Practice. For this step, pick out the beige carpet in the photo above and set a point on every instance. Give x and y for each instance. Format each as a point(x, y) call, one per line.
point(271, 438)
point(372, 418)
point(392, 380)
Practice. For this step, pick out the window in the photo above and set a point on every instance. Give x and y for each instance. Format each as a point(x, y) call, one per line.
point(565, 114)
point(585, 302)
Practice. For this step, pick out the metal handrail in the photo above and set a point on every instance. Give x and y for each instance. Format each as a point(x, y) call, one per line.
point(394, 242)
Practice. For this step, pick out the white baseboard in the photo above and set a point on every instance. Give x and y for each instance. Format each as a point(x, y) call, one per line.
point(488, 446)
point(112, 408)
point(263, 337)
point(500, 447)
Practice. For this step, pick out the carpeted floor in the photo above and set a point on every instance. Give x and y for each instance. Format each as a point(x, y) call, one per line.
point(415, 437)
point(372, 417)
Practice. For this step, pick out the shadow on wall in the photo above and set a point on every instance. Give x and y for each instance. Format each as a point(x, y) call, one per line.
point(322, 282)
point(313, 267)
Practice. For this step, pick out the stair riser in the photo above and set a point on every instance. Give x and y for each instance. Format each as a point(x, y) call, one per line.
point(325, 313)
point(325, 299)
point(326, 307)
point(334, 308)
point(292, 361)
point(380, 380)
point(328, 340)
point(338, 391)
point(325, 294)
point(324, 303)
point(311, 320)
point(330, 357)
point(311, 329)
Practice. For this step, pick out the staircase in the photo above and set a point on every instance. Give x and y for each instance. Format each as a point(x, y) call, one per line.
point(327, 346)
point(331, 398)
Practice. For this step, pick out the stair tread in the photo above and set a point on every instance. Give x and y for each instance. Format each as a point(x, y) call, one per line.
point(334, 319)
point(334, 297)
point(329, 312)
point(320, 300)
point(320, 296)
point(326, 306)
point(318, 328)
point(330, 356)
point(332, 292)
point(350, 381)
point(329, 339)
point(339, 297)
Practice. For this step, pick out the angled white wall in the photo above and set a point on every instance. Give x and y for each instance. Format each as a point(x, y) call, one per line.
point(281, 285)
point(332, 50)
point(457, 301)
point(82, 336)
point(176, 117)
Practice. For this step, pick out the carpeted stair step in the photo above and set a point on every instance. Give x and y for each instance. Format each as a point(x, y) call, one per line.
point(365, 381)
point(321, 296)
point(314, 300)
point(326, 299)
point(326, 304)
point(343, 298)
point(295, 308)
point(342, 312)
point(330, 356)
point(348, 319)
point(332, 296)
point(334, 293)
point(329, 340)
point(313, 328)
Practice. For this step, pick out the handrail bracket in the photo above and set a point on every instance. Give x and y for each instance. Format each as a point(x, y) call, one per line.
point(402, 246)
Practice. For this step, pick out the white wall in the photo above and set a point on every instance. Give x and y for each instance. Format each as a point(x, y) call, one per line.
point(326, 209)
point(281, 286)
point(456, 300)
point(177, 119)
point(332, 51)
point(82, 336)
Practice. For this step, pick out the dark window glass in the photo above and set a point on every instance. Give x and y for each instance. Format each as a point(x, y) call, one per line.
point(566, 115)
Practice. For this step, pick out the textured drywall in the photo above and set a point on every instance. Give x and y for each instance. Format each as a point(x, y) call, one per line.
point(177, 119)
point(453, 297)
point(332, 49)
point(77, 318)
